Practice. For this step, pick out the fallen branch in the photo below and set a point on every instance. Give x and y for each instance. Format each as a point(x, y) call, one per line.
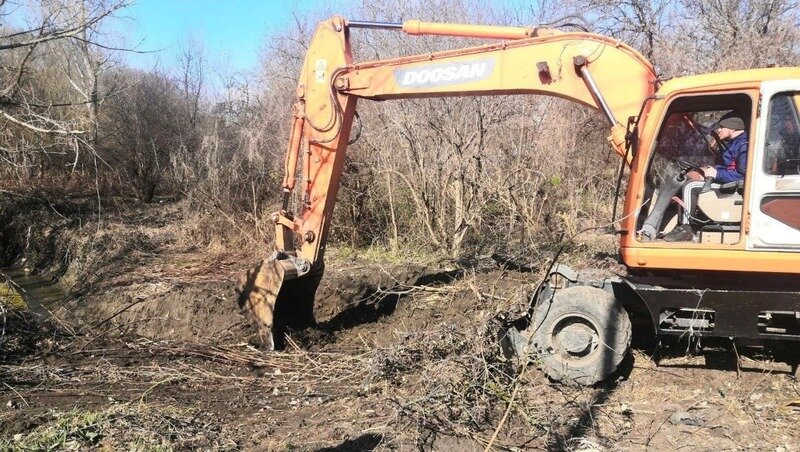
point(17, 393)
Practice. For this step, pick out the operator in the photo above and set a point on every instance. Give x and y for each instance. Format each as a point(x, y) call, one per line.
point(734, 164)
point(734, 159)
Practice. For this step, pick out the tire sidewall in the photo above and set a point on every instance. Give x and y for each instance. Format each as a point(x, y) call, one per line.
point(607, 316)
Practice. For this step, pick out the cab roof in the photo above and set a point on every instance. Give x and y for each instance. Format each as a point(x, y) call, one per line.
point(728, 78)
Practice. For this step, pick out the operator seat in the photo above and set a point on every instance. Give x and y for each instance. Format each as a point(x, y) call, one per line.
point(717, 212)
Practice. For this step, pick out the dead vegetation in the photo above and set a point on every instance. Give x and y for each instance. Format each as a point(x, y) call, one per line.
point(451, 176)
point(412, 364)
point(134, 427)
point(149, 225)
point(399, 383)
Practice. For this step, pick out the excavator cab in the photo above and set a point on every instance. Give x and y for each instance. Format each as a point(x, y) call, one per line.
point(682, 205)
point(749, 225)
point(680, 208)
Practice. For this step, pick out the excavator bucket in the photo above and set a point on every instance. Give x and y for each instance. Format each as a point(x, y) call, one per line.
point(275, 299)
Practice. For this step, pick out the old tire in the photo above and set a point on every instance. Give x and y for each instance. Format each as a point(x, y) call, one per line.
point(581, 335)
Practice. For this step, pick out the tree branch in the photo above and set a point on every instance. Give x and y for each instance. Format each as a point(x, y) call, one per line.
point(39, 129)
point(60, 34)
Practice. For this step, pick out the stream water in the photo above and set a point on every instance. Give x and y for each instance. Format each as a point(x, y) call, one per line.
point(39, 293)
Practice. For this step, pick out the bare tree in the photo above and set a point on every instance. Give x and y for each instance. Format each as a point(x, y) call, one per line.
point(739, 35)
point(145, 128)
point(44, 109)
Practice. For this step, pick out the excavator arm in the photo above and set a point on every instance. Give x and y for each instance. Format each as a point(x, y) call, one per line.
point(590, 69)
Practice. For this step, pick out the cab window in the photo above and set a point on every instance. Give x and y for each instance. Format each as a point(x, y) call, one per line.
point(782, 150)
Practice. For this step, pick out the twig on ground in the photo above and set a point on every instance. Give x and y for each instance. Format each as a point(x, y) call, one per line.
point(508, 408)
point(159, 383)
point(17, 393)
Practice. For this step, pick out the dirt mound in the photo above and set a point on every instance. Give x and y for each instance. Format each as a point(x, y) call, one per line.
point(201, 312)
point(165, 308)
point(135, 274)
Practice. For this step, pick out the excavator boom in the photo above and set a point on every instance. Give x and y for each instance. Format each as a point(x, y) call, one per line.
point(590, 69)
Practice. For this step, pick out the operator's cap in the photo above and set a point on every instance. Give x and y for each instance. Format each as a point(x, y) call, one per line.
point(732, 122)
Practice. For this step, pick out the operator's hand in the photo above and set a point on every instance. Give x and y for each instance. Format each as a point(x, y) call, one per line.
point(710, 171)
point(694, 175)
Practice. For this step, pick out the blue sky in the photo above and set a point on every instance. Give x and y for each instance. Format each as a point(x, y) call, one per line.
point(232, 31)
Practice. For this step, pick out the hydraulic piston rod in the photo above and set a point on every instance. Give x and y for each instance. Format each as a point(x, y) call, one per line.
point(417, 27)
point(581, 64)
point(375, 25)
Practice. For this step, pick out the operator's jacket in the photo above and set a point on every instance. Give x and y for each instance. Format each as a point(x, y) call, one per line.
point(734, 161)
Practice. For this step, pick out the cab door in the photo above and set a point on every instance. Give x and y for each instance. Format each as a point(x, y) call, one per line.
point(774, 204)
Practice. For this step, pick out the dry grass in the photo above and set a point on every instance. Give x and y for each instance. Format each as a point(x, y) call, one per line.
point(441, 386)
point(132, 427)
point(23, 333)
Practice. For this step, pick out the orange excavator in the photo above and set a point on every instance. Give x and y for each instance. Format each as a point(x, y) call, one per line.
point(703, 257)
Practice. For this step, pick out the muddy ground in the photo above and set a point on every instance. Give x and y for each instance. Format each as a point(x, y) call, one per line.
point(148, 351)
